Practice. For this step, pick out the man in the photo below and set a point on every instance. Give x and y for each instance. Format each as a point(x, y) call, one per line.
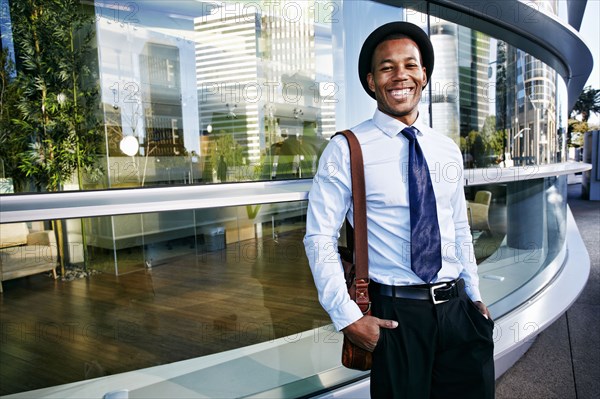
point(430, 334)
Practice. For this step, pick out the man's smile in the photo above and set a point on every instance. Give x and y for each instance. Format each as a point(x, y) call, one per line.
point(401, 93)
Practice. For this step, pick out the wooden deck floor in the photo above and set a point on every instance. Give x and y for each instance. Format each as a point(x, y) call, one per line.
point(55, 332)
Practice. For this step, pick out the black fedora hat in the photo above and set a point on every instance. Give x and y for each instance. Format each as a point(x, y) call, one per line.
point(406, 28)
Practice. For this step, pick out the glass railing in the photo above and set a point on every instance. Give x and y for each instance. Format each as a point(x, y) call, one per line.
point(229, 287)
point(519, 245)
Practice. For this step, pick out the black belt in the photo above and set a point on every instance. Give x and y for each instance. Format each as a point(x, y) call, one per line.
point(436, 293)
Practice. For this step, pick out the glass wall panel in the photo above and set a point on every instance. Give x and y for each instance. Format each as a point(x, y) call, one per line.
point(197, 93)
point(125, 243)
point(189, 284)
point(186, 284)
point(518, 232)
point(187, 92)
point(496, 101)
point(215, 92)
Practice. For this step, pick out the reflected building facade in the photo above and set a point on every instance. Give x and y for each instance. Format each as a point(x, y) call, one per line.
point(531, 94)
point(258, 82)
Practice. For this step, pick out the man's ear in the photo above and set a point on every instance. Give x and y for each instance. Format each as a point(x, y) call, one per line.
point(371, 82)
point(424, 77)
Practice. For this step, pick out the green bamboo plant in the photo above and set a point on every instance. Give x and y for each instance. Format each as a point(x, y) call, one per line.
point(54, 132)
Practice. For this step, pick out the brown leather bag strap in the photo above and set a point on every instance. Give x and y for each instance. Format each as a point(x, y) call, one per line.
point(359, 202)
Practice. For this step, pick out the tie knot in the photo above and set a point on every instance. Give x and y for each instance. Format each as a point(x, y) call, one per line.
point(410, 132)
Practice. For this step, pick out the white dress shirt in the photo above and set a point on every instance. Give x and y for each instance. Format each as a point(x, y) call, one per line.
point(385, 155)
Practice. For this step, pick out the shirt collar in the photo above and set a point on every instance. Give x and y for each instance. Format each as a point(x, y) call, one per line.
point(392, 126)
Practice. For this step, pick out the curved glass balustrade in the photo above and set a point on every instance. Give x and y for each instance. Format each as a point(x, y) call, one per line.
point(521, 244)
point(230, 287)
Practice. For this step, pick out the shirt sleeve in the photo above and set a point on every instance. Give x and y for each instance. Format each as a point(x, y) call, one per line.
point(328, 202)
point(464, 242)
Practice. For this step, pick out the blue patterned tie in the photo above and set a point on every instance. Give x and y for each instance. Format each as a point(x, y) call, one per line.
point(425, 242)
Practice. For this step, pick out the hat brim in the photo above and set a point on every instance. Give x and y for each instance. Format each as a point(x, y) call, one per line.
point(376, 37)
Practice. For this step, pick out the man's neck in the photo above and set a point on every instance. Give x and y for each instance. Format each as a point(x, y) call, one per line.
point(408, 119)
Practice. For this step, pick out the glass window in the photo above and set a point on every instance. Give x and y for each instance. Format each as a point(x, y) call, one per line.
point(239, 91)
point(497, 102)
point(188, 93)
point(216, 92)
point(518, 232)
point(159, 288)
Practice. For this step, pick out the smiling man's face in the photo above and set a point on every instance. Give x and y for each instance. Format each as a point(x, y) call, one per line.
point(398, 78)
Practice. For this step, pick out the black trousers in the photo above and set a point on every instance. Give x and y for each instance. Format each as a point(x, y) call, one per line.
point(437, 351)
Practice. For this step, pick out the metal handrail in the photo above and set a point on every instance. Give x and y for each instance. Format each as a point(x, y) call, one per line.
point(76, 204)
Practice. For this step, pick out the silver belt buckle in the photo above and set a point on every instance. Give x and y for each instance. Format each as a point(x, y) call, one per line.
point(432, 293)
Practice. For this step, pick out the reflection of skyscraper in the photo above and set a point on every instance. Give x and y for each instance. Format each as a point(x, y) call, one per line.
point(256, 73)
point(226, 76)
point(144, 76)
point(473, 62)
point(540, 92)
point(161, 92)
point(444, 85)
point(530, 102)
point(460, 79)
point(531, 91)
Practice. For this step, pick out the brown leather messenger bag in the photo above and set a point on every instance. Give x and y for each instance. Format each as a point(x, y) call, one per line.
point(354, 256)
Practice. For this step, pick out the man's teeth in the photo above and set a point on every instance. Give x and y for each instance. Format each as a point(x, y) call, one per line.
point(403, 92)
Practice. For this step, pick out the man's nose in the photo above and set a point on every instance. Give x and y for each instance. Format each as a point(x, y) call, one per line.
point(400, 74)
